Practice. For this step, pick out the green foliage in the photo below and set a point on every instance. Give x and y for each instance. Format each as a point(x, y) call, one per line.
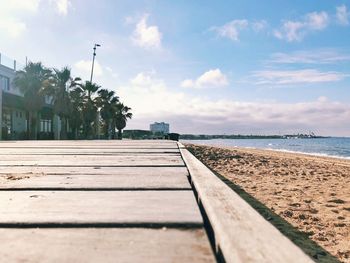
point(84, 106)
point(32, 82)
point(107, 102)
point(122, 114)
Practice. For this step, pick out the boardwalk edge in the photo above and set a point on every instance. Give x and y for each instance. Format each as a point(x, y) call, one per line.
point(240, 233)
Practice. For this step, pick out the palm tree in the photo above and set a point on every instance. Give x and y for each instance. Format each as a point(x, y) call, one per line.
point(59, 90)
point(31, 81)
point(122, 115)
point(89, 110)
point(106, 101)
point(90, 88)
point(77, 98)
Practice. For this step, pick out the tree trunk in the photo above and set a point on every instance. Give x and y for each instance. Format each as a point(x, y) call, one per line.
point(87, 130)
point(75, 133)
point(32, 126)
point(63, 128)
point(107, 129)
point(28, 125)
point(110, 131)
point(36, 123)
point(120, 135)
point(113, 129)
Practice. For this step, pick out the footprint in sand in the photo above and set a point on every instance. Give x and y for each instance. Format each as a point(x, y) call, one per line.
point(339, 224)
point(337, 201)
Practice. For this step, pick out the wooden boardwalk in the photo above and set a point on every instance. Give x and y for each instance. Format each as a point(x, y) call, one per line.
point(125, 201)
point(98, 201)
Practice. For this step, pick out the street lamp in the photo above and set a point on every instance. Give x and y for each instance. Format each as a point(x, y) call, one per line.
point(93, 60)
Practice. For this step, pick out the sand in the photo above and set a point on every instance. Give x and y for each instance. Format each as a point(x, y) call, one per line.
point(311, 193)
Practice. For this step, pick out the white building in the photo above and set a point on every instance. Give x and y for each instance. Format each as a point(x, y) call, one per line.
point(161, 127)
point(13, 114)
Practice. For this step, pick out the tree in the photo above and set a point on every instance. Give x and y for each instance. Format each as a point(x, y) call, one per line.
point(89, 109)
point(106, 101)
point(32, 81)
point(76, 97)
point(62, 83)
point(122, 115)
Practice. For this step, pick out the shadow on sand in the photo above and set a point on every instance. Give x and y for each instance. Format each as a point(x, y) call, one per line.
point(299, 238)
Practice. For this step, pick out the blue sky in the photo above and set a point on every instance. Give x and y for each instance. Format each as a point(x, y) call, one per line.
point(203, 66)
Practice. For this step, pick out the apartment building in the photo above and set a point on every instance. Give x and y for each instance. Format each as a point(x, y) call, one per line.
point(13, 114)
point(160, 127)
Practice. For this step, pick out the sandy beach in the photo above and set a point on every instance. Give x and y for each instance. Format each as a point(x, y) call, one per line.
point(311, 193)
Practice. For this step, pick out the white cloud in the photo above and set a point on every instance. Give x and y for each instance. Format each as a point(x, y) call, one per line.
point(147, 36)
point(14, 13)
point(291, 31)
point(296, 30)
point(188, 83)
point(259, 25)
point(194, 114)
point(83, 68)
point(62, 6)
point(12, 27)
point(310, 57)
point(142, 79)
point(317, 21)
point(210, 79)
point(19, 5)
point(148, 95)
point(232, 29)
point(305, 76)
point(11, 23)
point(111, 72)
point(342, 15)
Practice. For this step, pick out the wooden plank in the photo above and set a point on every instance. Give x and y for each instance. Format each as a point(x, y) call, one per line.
point(93, 141)
point(7, 148)
point(241, 234)
point(91, 160)
point(104, 245)
point(97, 170)
point(117, 178)
point(82, 151)
point(88, 143)
point(99, 207)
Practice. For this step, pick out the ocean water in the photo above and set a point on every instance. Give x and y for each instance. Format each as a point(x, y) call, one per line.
point(334, 147)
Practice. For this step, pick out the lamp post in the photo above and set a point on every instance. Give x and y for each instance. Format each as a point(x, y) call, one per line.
point(93, 60)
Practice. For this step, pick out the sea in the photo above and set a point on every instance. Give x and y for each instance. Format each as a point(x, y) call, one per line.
point(332, 147)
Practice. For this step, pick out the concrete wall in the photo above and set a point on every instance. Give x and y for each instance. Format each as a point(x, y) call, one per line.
point(10, 73)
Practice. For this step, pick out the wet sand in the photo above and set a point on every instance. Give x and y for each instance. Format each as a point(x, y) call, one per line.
point(311, 193)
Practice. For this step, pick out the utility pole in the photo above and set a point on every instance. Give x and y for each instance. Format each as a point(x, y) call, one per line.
point(93, 60)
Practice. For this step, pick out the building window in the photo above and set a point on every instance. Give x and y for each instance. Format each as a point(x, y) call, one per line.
point(4, 83)
point(7, 121)
point(45, 125)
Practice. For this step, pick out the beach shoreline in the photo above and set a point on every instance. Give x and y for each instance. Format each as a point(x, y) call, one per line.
point(310, 192)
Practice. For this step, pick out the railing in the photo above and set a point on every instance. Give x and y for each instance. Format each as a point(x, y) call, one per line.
point(10, 63)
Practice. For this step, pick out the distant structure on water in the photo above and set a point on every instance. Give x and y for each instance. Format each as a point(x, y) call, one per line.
point(160, 127)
